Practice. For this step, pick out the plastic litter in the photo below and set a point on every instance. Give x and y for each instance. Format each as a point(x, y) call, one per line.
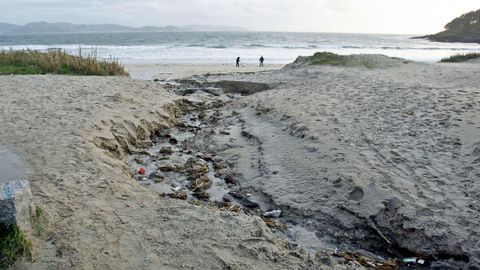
point(414, 261)
point(141, 170)
point(273, 214)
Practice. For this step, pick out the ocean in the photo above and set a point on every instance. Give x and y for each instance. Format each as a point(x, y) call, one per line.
point(224, 47)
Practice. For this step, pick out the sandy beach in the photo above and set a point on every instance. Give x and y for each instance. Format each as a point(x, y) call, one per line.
point(74, 133)
point(164, 72)
point(380, 160)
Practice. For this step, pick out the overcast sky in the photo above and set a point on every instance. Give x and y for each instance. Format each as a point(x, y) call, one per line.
point(351, 16)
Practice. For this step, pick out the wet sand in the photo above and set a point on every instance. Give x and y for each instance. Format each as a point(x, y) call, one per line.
point(12, 166)
point(75, 132)
point(165, 72)
point(380, 161)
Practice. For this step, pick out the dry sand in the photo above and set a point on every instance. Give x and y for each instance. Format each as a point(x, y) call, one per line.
point(74, 132)
point(381, 158)
point(177, 71)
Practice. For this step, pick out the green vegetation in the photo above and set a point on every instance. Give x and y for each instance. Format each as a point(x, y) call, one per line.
point(39, 219)
point(57, 62)
point(13, 243)
point(462, 57)
point(327, 58)
point(332, 59)
point(465, 28)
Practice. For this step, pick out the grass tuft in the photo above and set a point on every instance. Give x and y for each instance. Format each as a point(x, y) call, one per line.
point(57, 62)
point(13, 243)
point(462, 57)
point(327, 58)
point(39, 220)
point(332, 59)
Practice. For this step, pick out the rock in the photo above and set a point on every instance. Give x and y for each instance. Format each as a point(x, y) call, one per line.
point(195, 167)
point(249, 204)
point(186, 92)
point(166, 166)
point(156, 178)
point(166, 150)
point(219, 164)
point(202, 183)
point(236, 195)
point(226, 174)
point(15, 197)
point(243, 200)
point(139, 160)
point(214, 91)
point(201, 195)
point(177, 195)
point(227, 198)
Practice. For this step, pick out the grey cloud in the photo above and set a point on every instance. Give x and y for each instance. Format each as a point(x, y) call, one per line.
point(279, 15)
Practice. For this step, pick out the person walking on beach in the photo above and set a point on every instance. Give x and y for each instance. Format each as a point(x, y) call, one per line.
point(238, 61)
point(261, 60)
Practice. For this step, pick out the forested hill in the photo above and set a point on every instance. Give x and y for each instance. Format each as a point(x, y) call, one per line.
point(465, 28)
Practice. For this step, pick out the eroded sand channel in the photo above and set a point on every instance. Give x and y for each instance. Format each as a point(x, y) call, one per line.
point(359, 159)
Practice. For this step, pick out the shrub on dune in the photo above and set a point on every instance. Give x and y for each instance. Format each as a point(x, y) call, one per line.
point(58, 62)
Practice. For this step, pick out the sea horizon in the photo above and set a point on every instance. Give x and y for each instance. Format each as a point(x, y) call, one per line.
point(222, 47)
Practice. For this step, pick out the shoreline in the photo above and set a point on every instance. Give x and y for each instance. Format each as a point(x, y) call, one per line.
point(165, 72)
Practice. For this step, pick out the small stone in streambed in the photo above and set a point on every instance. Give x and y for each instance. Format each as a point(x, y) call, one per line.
point(243, 200)
point(173, 141)
point(202, 183)
point(195, 167)
point(166, 150)
point(236, 195)
point(205, 157)
point(219, 164)
point(166, 168)
point(177, 195)
point(201, 195)
point(166, 165)
point(249, 204)
point(156, 178)
point(139, 160)
point(227, 198)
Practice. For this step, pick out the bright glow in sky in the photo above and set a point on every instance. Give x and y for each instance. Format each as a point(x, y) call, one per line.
point(350, 16)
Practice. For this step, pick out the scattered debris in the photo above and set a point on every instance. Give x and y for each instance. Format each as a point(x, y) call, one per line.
point(390, 264)
point(273, 214)
point(141, 171)
point(121, 220)
point(412, 262)
point(230, 207)
point(273, 224)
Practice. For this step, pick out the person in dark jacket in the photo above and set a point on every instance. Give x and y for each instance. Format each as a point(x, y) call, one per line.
point(238, 61)
point(261, 60)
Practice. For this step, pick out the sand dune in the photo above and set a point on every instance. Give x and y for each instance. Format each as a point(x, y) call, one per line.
point(379, 158)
